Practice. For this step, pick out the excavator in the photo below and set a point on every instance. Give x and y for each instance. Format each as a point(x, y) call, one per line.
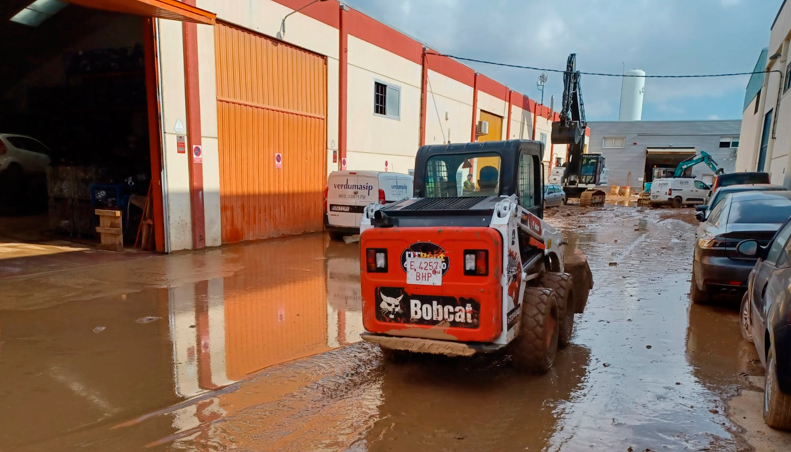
point(704, 157)
point(583, 172)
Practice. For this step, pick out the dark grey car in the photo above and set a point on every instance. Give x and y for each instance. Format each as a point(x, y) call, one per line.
point(718, 266)
point(719, 194)
point(766, 321)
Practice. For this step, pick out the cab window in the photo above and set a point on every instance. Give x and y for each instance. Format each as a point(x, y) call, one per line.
point(527, 178)
point(466, 175)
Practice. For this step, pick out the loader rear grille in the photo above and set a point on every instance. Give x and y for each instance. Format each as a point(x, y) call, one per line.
point(444, 203)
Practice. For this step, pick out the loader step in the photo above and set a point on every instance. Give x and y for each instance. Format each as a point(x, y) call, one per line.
point(430, 346)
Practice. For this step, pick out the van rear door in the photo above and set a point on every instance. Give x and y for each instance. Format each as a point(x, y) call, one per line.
point(396, 186)
point(341, 200)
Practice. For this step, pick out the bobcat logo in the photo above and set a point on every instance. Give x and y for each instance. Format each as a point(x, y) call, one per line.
point(390, 306)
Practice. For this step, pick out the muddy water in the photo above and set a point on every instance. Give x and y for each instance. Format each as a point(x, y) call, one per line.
point(252, 348)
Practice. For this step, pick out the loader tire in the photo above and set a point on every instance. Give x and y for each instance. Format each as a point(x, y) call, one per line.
point(563, 285)
point(537, 344)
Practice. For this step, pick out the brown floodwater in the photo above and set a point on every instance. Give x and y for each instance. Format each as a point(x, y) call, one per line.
point(256, 347)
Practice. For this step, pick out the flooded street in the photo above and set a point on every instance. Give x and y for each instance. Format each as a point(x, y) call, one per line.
point(256, 347)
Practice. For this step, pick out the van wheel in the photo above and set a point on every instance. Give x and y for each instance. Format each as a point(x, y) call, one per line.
point(744, 319)
point(338, 236)
point(535, 348)
point(777, 406)
point(677, 202)
point(563, 285)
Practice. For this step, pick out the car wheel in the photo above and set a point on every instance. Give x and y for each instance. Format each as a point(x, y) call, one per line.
point(337, 236)
point(565, 201)
point(777, 406)
point(544, 204)
point(696, 295)
point(678, 202)
point(745, 320)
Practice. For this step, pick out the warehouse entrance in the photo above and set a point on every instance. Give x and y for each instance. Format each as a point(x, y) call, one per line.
point(663, 161)
point(77, 129)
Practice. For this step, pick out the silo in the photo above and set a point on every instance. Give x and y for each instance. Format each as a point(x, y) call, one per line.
point(632, 95)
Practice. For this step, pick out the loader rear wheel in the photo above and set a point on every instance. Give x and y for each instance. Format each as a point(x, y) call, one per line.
point(563, 285)
point(577, 266)
point(537, 344)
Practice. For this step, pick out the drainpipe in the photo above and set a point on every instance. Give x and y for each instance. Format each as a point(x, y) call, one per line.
point(424, 98)
point(192, 94)
point(510, 109)
point(535, 117)
point(473, 135)
point(343, 60)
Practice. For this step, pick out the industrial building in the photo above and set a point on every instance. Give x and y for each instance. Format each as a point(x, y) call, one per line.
point(217, 122)
point(633, 148)
point(766, 144)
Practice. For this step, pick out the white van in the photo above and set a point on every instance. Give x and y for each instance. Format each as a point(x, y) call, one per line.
point(348, 192)
point(678, 192)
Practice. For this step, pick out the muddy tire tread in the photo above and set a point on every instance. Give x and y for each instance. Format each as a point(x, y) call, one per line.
point(742, 307)
point(698, 296)
point(530, 352)
point(779, 414)
point(563, 286)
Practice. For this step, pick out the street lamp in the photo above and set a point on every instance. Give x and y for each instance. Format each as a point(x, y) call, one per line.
point(542, 80)
point(282, 31)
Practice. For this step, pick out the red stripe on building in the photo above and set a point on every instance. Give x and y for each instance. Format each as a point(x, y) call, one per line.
point(326, 12)
point(374, 32)
point(451, 68)
point(492, 87)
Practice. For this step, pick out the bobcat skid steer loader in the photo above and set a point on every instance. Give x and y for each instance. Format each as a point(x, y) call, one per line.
point(468, 266)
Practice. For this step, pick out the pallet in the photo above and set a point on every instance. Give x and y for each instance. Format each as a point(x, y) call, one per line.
point(111, 230)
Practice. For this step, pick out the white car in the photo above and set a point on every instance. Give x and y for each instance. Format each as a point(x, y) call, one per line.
point(678, 192)
point(21, 155)
point(349, 192)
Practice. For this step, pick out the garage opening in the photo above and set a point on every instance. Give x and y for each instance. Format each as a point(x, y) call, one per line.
point(662, 162)
point(74, 128)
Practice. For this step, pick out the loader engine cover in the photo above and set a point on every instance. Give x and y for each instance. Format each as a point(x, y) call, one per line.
point(427, 288)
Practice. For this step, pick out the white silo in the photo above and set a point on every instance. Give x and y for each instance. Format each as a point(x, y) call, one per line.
point(632, 95)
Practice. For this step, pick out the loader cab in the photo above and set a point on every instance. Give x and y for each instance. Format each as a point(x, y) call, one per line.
point(470, 170)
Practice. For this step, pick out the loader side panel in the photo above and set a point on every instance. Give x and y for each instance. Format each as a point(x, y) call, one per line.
point(454, 306)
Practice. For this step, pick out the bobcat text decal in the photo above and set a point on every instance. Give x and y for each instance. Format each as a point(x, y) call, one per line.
point(397, 306)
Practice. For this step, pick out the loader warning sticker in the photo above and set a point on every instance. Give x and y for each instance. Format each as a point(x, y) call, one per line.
point(395, 305)
point(426, 251)
point(532, 221)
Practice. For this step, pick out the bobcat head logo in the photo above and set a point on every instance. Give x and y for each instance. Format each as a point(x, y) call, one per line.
point(390, 306)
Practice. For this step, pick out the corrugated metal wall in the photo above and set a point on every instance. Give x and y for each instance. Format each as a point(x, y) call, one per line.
point(280, 313)
point(271, 98)
point(640, 135)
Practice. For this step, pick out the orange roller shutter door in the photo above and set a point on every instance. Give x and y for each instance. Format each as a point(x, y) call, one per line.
point(271, 99)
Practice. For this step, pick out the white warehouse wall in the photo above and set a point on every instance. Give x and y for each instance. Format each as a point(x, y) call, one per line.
point(374, 139)
point(749, 139)
point(448, 110)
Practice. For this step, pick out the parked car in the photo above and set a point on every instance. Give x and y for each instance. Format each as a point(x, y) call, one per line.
point(23, 177)
point(678, 192)
point(554, 196)
point(719, 194)
point(718, 266)
point(726, 180)
point(349, 192)
point(766, 320)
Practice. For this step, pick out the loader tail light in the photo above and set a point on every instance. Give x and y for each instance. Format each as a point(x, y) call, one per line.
point(381, 196)
point(476, 262)
point(376, 260)
point(326, 194)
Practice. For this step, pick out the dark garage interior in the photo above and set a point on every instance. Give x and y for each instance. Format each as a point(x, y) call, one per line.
point(74, 122)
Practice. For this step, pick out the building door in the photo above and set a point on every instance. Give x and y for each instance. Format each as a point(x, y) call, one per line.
point(765, 141)
point(272, 130)
point(495, 134)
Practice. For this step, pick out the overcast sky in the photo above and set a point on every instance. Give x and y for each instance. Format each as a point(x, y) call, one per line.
point(658, 36)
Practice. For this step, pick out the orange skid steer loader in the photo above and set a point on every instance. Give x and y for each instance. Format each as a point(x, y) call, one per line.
point(471, 268)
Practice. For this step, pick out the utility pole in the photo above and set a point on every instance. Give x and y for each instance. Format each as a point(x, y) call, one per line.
point(542, 80)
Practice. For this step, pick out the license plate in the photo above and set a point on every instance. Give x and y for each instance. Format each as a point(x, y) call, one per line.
point(424, 271)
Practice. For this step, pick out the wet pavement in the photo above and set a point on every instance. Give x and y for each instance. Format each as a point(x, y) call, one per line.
point(256, 347)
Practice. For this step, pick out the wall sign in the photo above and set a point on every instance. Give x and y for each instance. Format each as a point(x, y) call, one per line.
point(343, 164)
point(181, 144)
point(179, 127)
point(386, 165)
point(279, 161)
point(197, 154)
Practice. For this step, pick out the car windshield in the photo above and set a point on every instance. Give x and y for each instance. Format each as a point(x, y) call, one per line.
point(775, 210)
point(454, 175)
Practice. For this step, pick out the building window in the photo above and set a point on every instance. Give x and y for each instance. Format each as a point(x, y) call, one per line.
point(543, 138)
point(732, 142)
point(757, 102)
point(787, 83)
point(387, 100)
point(613, 142)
